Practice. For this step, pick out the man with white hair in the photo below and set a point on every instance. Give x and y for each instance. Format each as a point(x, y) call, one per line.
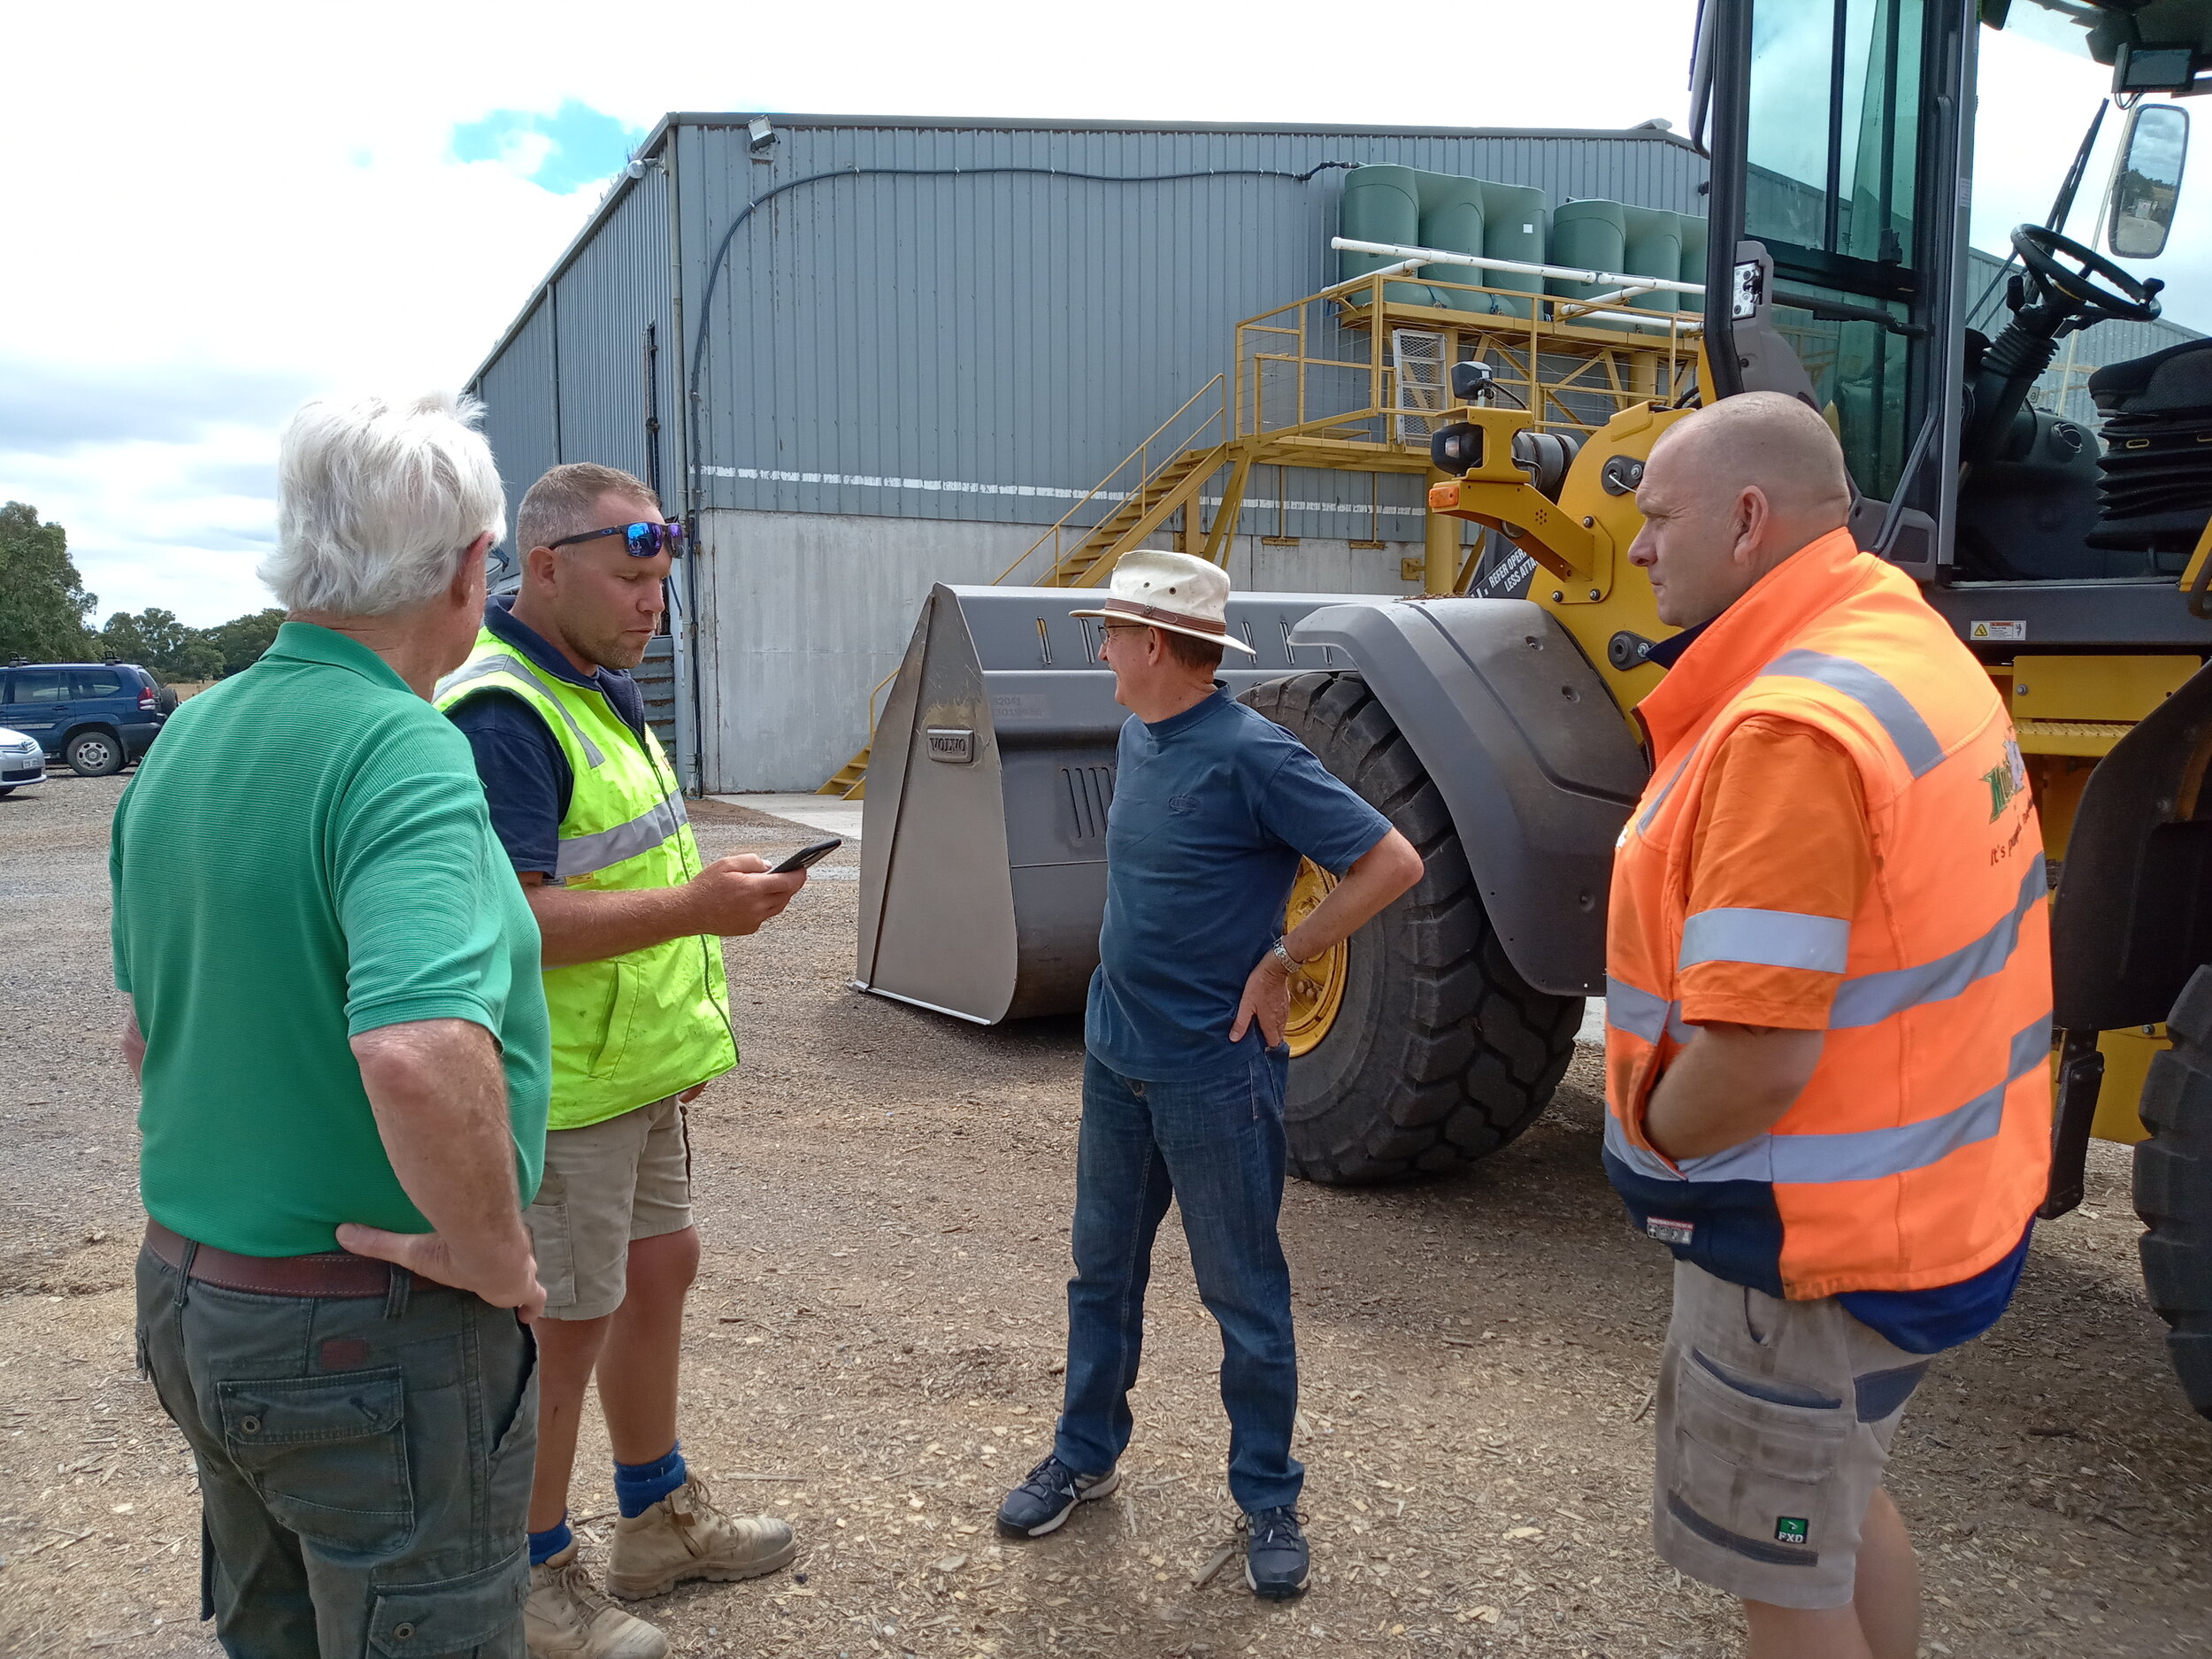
point(1214, 804)
point(341, 1038)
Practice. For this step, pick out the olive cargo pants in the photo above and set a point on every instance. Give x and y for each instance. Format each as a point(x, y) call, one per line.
point(364, 1462)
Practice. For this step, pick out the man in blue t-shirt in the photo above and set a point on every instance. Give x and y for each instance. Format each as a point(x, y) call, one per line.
point(1214, 805)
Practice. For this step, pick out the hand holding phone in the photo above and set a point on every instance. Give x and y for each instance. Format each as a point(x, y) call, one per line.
point(813, 852)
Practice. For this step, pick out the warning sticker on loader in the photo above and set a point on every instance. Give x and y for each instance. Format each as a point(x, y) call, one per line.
point(1997, 631)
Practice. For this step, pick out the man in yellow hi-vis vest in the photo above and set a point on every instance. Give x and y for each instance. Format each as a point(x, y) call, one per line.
point(592, 818)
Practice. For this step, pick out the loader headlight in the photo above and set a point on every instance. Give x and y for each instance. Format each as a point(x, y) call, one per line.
point(1456, 449)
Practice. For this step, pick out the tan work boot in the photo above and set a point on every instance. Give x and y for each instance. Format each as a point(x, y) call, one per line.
point(565, 1618)
point(684, 1536)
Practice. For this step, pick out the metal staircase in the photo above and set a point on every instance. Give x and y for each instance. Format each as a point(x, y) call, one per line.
point(1174, 487)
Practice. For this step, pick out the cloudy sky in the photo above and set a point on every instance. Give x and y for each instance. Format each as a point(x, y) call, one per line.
point(215, 212)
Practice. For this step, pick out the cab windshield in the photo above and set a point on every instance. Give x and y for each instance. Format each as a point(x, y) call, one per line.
point(1833, 154)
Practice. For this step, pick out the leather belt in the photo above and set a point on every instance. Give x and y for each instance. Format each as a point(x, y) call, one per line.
point(333, 1273)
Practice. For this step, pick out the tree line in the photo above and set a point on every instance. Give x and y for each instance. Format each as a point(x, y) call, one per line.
point(46, 614)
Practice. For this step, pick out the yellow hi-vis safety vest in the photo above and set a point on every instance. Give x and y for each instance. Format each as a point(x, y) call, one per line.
point(632, 1029)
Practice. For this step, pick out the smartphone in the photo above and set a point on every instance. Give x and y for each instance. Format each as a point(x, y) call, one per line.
point(808, 854)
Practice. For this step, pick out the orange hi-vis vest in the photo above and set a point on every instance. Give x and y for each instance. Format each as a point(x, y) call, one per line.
point(1917, 1152)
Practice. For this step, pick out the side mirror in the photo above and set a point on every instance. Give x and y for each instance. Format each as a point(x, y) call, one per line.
point(2146, 181)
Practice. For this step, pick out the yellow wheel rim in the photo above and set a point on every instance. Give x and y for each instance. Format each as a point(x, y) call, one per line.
point(1316, 992)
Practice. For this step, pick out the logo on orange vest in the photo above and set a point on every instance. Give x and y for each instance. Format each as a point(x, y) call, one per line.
point(1669, 1231)
point(2007, 781)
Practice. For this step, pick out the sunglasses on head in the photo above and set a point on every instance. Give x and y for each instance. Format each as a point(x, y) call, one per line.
point(639, 541)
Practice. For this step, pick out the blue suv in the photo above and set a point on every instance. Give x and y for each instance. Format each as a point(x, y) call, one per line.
point(97, 717)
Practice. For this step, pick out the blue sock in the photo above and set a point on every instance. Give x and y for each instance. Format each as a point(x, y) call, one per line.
point(639, 1486)
point(546, 1545)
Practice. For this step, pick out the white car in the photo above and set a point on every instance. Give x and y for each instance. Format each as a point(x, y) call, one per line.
point(22, 761)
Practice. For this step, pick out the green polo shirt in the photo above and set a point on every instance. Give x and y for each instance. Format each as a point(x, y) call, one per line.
point(304, 856)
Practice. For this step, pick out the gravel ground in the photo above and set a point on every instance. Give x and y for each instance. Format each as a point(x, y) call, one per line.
point(877, 1340)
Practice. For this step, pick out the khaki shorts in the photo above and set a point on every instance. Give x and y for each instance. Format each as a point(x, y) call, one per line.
point(1775, 1422)
point(607, 1183)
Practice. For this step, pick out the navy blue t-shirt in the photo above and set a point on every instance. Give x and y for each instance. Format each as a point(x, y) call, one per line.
point(1211, 810)
point(527, 780)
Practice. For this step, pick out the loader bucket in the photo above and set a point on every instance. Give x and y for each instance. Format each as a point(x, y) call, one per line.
point(983, 836)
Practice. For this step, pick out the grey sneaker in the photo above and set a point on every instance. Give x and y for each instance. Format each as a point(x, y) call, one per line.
point(1277, 1563)
point(1049, 1495)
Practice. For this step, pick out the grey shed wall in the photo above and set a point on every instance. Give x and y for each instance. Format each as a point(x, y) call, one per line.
point(985, 346)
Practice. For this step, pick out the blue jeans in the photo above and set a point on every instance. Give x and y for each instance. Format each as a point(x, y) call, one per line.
point(1214, 1145)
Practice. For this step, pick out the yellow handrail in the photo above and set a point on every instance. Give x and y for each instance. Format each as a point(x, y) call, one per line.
point(1530, 346)
point(872, 696)
point(1144, 476)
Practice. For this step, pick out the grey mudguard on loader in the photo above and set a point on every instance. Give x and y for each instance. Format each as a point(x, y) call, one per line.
point(1536, 767)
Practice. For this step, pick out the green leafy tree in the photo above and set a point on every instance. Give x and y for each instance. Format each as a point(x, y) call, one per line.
point(198, 659)
point(157, 640)
point(42, 602)
point(242, 640)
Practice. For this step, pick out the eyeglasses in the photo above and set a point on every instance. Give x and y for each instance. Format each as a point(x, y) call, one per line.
point(639, 541)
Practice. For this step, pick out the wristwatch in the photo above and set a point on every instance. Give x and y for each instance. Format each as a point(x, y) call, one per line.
point(1280, 951)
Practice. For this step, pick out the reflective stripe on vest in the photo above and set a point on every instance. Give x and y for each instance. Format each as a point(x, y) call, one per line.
point(1914, 742)
point(1917, 1150)
point(1858, 1155)
point(581, 854)
point(1866, 1001)
point(483, 667)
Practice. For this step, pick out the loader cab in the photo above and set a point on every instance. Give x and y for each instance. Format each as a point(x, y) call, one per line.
point(1841, 132)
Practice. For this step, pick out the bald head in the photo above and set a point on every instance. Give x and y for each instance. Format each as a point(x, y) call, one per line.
point(1728, 494)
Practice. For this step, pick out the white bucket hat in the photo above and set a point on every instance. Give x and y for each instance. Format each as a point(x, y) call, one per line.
point(1179, 592)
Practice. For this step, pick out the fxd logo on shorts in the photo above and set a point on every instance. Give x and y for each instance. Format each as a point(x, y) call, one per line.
point(1792, 1529)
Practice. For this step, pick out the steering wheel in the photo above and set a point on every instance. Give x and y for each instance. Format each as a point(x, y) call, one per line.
point(2126, 299)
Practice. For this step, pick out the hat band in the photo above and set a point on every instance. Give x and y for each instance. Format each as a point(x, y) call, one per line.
point(1160, 613)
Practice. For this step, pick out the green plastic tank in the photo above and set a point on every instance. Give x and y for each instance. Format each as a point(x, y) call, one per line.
point(1630, 240)
point(1411, 207)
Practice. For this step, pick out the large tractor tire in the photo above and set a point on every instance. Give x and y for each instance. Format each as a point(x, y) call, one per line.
point(2173, 1188)
point(1416, 1048)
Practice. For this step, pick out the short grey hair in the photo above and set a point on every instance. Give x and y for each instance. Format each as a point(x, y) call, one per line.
point(566, 499)
point(378, 499)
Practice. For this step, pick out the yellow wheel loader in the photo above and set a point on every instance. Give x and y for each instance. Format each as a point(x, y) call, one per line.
point(1494, 728)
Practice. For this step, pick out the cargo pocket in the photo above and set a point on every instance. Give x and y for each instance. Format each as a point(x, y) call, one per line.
point(450, 1615)
point(615, 1038)
point(1756, 1476)
point(327, 1454)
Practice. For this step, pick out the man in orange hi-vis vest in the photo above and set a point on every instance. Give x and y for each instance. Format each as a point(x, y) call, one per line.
point(1827, 1022)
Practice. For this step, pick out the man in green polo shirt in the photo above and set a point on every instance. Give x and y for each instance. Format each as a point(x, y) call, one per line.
point(340, 1036)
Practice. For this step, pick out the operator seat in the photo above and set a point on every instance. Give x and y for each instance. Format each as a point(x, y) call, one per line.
point(2155, 493)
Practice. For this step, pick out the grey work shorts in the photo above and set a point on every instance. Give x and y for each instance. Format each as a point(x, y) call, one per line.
point(606, 1185)
point(1774, 1428)
point(365, 1463)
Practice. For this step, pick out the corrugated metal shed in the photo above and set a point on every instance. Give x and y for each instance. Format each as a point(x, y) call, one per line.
point(913, 325)
point(941, 319)
point(972, 343)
